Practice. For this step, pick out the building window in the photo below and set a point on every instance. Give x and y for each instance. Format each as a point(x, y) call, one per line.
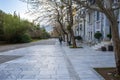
point(92, 2)
point(89, 18)
point(98, 15)
point(115, 1)
point(80, 27)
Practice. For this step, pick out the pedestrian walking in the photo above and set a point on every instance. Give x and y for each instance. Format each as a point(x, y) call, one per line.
point(60, 40)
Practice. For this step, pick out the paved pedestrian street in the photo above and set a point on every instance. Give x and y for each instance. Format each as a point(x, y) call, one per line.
point(53, 62)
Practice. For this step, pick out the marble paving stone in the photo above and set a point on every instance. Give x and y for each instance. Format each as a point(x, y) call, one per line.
point(46, 79)
point(44, 76)
point(27, 79)
point(54, 62)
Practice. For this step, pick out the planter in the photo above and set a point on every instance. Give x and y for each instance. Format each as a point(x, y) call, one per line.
point(103, 48)
point(110, 48)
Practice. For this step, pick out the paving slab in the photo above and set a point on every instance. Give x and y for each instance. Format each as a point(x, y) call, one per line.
point(53, 62)
point(85, 59)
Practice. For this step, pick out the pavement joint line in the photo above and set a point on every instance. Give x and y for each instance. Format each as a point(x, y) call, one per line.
point(98, 74)
point(73, 74)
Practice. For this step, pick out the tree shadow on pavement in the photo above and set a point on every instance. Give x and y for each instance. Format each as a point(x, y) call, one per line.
point(6, 58)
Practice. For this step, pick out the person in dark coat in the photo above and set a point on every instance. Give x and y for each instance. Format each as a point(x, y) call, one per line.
point(60, 40)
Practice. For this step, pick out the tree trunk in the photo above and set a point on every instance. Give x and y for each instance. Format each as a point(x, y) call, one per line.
point(67, 38)
point(63, 37)
point(115, 37)
point(73, 39)
point(70, 21)
point(116, 43)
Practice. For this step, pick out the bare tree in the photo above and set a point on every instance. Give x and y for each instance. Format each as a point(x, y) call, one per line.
point(69, 10)
point(110, 8)
point(54, 12)
point(56, 31)
point(59, 9)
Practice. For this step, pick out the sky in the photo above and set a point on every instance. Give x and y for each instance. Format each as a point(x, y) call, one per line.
point(9, 6)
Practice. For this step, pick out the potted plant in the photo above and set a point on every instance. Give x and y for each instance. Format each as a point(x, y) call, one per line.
point(78, 38)
point(110, 48)
point(109, 36)
point(103, 48)
point(98, 35)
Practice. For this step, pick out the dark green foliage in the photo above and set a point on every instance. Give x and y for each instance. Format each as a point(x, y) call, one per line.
point(2, 38)
point(25, 38)
point(98, 35)
point(62, 7)
point(16, 30)
point(78, 37)
point(20, 38)
point(44, 34)
point(68, 27)
point(1, 22)
point(109, 36)
point(38, 32)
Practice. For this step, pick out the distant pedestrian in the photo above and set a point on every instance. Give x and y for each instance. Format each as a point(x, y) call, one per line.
point(60, 40)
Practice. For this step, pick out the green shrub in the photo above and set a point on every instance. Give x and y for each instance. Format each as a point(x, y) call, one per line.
point(25, 38)
point(15, 29)
point(98, 35)
point(109, 36)
point(2, 38)
point(15, 39)
point(20, 39)
point(78, 37)
point(45, 35)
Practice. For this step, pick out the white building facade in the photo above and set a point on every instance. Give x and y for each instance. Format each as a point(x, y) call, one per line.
point(92, 22)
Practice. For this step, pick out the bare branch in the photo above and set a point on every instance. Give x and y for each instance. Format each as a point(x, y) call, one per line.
point(87, 6)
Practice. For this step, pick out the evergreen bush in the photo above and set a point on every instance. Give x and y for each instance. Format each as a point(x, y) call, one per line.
point(78, 37)
point(25, 38)
point(98, 35)
point(109, 36)
point(20, 38)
